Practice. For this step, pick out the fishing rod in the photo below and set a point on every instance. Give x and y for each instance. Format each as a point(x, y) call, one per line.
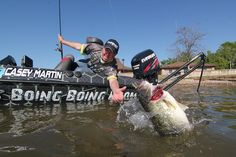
point(186, 73)
point(60, 48)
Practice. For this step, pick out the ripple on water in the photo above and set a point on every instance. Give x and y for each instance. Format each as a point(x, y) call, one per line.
point(85, 130)
point(10, 149)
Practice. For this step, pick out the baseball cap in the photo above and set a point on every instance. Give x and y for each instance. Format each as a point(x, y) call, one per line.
point(113, 45)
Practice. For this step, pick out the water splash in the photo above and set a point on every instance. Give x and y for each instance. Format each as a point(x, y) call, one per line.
point(197, 116)
point(132, 112)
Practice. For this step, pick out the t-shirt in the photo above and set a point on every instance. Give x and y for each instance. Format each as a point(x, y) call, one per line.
point(96, 64)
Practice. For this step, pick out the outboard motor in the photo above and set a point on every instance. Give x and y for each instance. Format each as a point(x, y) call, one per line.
point(145, 66)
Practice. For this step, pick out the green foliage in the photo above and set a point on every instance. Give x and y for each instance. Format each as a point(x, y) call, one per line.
point(217, 60)
point(225, 56)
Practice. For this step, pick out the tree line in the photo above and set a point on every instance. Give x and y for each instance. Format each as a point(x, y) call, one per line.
point(188, 44)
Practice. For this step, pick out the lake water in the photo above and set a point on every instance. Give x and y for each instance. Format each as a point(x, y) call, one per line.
point(100, 130)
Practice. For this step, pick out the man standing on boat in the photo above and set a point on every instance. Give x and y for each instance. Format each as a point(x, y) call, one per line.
point(102, 60)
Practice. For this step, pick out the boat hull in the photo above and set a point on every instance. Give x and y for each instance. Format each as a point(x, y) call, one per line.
point(29, 86)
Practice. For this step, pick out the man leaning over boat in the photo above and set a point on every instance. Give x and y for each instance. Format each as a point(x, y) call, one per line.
point(102, 60)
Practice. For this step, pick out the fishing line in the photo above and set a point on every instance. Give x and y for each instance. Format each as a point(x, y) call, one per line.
point(113, 15)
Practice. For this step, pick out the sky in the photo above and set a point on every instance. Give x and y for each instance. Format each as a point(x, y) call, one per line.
point(30, 27)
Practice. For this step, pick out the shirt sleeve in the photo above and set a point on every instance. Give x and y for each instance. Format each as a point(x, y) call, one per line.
point(82, 49)
point(111, 72)
point(111, 77)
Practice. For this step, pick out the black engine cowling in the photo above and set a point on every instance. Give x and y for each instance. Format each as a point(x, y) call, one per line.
point(145, 65)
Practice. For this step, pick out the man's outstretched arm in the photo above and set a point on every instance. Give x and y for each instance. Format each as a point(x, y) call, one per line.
point(118, 93)
point(75, 45)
